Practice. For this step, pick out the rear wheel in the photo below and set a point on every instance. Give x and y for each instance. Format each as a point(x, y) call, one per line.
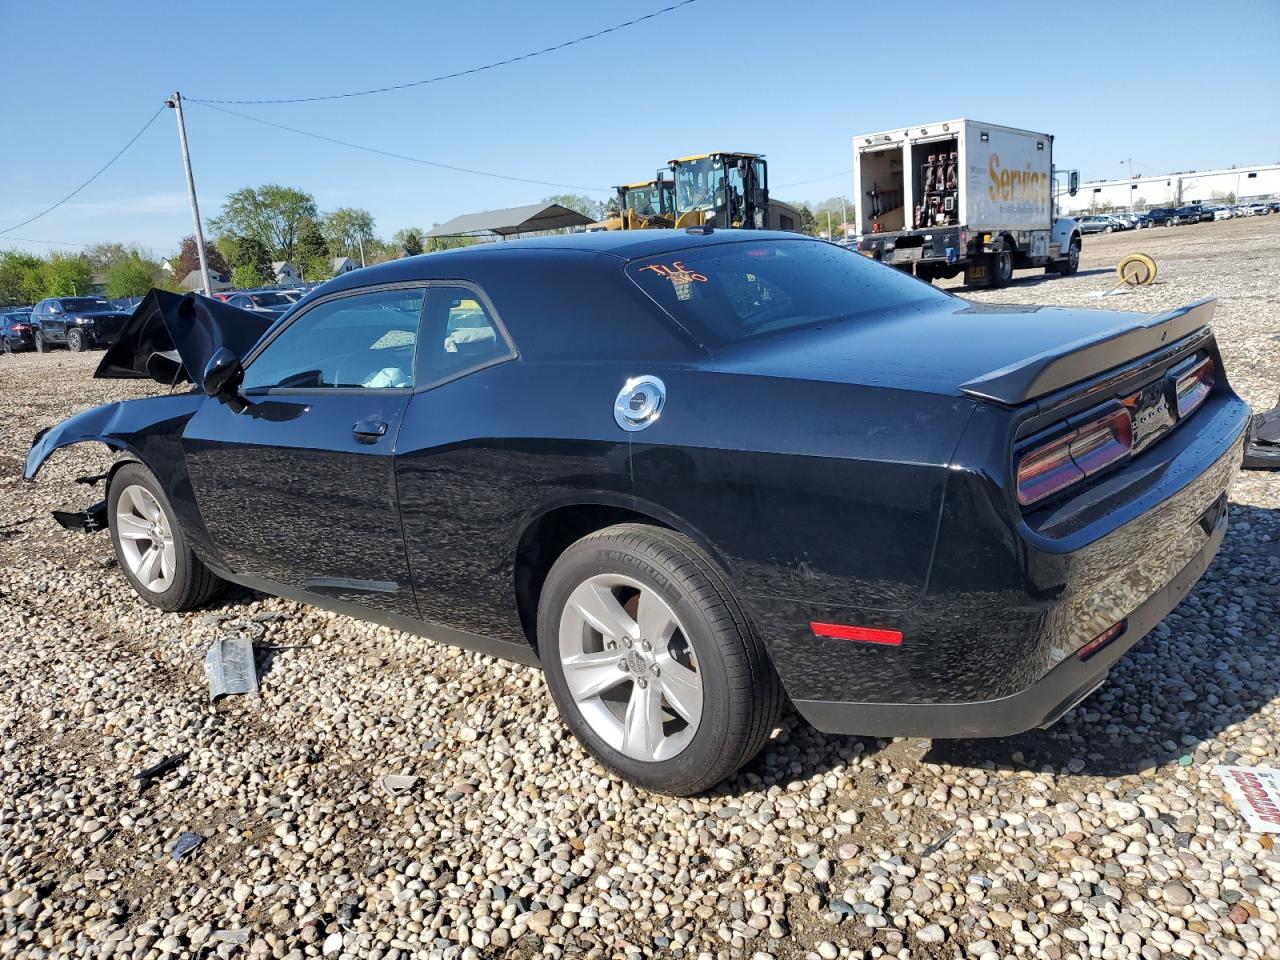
point(150, 545)
point(653, 665)
point(76, 342)
point(1000, 269)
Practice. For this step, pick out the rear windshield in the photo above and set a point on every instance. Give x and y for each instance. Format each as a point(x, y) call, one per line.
point(269, 300)
point(731, 292)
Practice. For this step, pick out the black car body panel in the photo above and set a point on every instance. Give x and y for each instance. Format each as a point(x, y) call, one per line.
point(16, 333)
point(170, 337)
point(847, 472)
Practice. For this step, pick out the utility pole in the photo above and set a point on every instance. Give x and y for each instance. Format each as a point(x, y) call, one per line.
point(844, 220)
point(830, 235)
point(1130, 163)
point(360, 237)
point(175, 103)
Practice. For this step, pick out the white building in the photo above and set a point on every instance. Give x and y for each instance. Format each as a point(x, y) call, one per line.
point(341, 265)
point(285, 272)
point(1186, 187)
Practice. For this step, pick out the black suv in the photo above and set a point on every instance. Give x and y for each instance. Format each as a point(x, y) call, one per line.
point(1160, 217)
point(77, 322)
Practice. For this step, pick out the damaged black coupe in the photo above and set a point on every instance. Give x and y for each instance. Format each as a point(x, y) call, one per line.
point(691, 474)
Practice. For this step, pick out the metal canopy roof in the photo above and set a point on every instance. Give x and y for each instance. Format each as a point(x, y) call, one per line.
point(514, 220)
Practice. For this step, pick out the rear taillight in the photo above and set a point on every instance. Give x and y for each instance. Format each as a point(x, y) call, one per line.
point(20, 328)
point(1067, 459)
point(1101, 640)
point(1193, 386)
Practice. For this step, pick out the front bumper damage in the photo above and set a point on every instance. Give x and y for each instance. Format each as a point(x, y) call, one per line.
point(1262, 446)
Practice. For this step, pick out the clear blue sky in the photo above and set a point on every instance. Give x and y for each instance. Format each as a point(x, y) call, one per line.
point(793, 80)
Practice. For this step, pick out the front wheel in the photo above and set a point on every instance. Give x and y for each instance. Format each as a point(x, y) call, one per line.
point(76, 342)
point(41, 346)
point(651, 661)
point(6, 345)
point(150, 545)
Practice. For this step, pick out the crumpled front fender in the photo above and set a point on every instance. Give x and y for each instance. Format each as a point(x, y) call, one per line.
point(96, 424)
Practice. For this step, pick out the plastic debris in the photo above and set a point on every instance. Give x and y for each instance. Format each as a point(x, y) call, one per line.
point(230, 668)
point(240, 935)
point(940, 842)
point(144, 777)
point(187, 842)
point(397, 784)
point(332, 943)
point(1255, 792)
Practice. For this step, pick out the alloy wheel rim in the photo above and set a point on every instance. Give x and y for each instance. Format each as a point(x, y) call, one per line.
point(630, 667)
point(146, 539)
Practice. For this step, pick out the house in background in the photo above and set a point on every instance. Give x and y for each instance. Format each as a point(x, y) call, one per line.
point(166, 266)
point(285, 272)
point(219, 281)
point(340, 265)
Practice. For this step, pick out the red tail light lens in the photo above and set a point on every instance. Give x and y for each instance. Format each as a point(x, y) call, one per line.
point(1056, 465)
point(1046, 470)
point(1101, 640)
point(1194, 386)
point(1104, 441)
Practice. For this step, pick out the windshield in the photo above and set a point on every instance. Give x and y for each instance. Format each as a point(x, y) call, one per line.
point(698, 183)
point(270, 300)
point(77, 304)
point(646, 201)
point(730, 292)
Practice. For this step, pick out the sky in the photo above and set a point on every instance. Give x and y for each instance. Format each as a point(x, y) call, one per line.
point(795, 81)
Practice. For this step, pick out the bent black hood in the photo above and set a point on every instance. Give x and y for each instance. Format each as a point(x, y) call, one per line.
point(171, 337)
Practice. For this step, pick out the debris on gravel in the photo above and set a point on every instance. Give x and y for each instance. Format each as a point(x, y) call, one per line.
point(1106, 836)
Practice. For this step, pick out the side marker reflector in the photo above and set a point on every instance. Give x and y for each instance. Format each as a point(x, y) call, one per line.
point(840, 631)
point(1101, 640)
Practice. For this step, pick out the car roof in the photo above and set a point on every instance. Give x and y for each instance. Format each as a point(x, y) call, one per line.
point(624, 245)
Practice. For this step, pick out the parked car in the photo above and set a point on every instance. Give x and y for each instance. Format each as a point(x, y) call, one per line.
point(1096, 223)
point(686, 472)
point(1222, 213)
point(125, 304)
point(1257, 210)
point(1161, 216)
point(15, 331)
point(1130, 220)
point(265, 302)
point(76, 322)
point(1188, 215)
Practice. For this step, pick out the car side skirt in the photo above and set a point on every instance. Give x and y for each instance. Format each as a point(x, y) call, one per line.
point(1039, 705)
point(503, 649)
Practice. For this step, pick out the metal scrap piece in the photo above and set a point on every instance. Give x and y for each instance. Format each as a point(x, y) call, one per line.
point(187, 842)
point(229, 667)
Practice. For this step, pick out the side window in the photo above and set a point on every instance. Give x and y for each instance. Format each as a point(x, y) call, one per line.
point(459, 334)
point(363, 341)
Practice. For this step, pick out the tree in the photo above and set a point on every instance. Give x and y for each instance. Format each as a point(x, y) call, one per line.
point(273, 214)
point(245, 252)
point(347, 231)
point(410, 240)
point(102, 255)
point(66, 275)
point(247, 276)
point(21, 277)
point(576, 201)
point(188, 259)
point(131, 276)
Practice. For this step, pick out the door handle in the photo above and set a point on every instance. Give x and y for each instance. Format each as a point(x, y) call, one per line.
point(368, 431)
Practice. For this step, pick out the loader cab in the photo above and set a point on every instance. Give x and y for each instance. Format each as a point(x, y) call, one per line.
point(647, 205)
point(721, 190)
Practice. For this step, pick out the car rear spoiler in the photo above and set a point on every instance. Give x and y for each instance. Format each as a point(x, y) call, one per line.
point(171, 337)
point(1052, 370)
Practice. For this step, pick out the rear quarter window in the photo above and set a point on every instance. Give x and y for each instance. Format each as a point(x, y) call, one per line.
point(730, 292)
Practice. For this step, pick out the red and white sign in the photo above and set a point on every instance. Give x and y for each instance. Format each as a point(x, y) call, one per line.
point(1256, 793)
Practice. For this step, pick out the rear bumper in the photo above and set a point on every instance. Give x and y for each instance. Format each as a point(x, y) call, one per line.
point(1040, 704)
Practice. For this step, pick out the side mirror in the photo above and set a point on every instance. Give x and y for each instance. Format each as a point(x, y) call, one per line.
point(221, 374)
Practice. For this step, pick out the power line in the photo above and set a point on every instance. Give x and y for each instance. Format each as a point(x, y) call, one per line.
point(801, 183)
point(52, 243)
point(461, 73)
point(100, 172)
point(397, 156)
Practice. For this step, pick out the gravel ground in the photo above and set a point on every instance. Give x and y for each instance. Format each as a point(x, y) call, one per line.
point(1107, 836)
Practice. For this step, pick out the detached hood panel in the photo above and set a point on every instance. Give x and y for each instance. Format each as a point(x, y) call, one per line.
point(171, 337)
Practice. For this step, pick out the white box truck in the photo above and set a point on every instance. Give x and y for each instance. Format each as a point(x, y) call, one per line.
point(939, 198)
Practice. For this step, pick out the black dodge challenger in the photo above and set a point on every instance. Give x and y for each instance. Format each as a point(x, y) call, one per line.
point(689, 473)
